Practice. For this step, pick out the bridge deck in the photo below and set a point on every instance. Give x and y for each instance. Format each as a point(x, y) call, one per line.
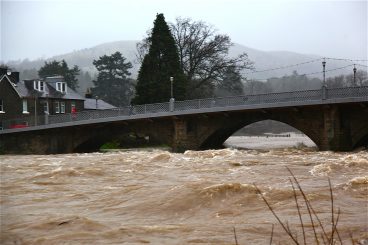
point(246, 102)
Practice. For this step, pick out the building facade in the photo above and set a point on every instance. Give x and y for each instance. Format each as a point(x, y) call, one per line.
point(28, 102)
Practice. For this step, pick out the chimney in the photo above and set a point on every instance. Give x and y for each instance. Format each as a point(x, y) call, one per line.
point(3, 71)
point(88, 93)
point(14, 77)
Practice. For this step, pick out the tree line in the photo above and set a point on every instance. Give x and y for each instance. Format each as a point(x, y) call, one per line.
point(193, 57)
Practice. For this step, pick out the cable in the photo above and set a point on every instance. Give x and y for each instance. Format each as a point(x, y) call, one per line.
point(283, 67)
point(311, 61)
point(339, 68)
point(361, 65)
point(318, 72)
point(329, 58)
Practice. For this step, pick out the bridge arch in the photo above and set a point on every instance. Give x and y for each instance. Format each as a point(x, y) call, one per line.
point(90, 138)
point(360, 137)
point(217, 137)
point(91, 144)
point(126, 134)
point(278, 134)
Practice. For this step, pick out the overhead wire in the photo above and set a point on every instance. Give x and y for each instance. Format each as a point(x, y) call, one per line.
point(312, 61)
point(339, 68)
point(351, 60)
point(361, 65)
point(283, 67)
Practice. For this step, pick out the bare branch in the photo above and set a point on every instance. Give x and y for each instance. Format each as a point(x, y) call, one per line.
point(298, 208)
point(308, 204)
point(332, 212)
point(285, 227)
point(271, 234)
point(236, 239)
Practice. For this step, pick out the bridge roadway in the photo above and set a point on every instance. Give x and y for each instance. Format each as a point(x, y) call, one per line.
point(335, 119)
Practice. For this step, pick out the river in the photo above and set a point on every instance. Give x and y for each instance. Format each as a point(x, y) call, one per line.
point(198, 197)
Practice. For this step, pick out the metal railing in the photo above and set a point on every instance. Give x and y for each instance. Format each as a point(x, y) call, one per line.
point(194, 106)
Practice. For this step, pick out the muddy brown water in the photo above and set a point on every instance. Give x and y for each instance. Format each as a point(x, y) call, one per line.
point(158, 197)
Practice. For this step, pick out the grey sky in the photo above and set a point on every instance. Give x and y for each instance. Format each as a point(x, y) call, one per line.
point(33, 29)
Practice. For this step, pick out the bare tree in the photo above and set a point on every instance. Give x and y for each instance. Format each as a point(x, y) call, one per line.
point(203, 53)
point(336, 81)
point(361, 78)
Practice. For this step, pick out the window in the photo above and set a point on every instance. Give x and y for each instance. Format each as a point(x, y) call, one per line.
point(62, 107)
point(57, 107)
point(61, 87)
point(41, 86)
point(1, 106)
point(35, 85)
point(25, 106)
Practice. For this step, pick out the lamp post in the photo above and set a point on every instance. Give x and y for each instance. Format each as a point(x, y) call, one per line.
point(172, 83)
point(354, 77)
point(46, 109)
point(35, 109)
point(324, 72)
point(172, 100)
point(324, 87)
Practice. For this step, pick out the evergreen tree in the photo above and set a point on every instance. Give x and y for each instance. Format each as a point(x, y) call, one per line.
point(54, 68)
point(113, 84)
point(158, 65)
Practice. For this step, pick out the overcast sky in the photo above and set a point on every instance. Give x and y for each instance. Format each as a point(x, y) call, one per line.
point(33, 29)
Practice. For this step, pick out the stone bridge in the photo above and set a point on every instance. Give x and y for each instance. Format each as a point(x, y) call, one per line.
point(335, 119)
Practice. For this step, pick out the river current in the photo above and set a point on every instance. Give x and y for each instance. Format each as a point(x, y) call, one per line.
point(197, 197)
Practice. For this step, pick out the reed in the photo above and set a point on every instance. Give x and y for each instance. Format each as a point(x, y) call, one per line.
point(317, 234)
point(236, 239)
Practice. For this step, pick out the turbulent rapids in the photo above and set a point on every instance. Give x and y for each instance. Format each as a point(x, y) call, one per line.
point(158, 197)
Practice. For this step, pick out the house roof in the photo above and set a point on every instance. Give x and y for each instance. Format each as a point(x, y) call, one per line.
point(25, 89)
point(5, 77)
point(90, 104)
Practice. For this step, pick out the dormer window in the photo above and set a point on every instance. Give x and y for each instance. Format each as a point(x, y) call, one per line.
point(39, 85)
point(61, 87)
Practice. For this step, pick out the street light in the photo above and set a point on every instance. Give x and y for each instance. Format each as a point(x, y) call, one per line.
point(172, 83)
point(46, 109)
point(96, 102)
point(324, 87)
point(172, 100)
point(324, 72)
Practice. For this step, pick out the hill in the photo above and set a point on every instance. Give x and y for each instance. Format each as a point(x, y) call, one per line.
point(262, 60)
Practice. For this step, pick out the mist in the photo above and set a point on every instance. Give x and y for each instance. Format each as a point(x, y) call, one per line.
point(41, 29)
